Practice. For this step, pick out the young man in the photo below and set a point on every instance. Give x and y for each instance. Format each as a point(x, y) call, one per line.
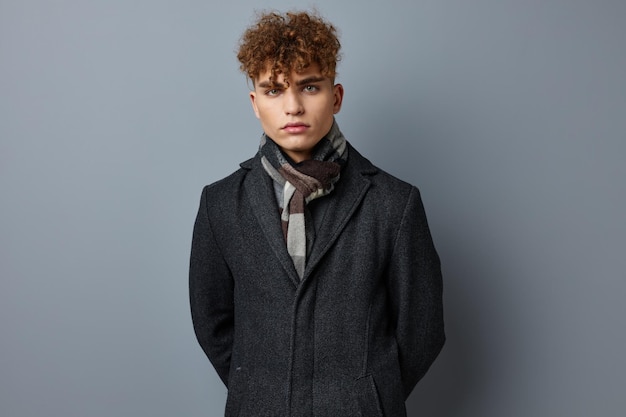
point(315, 287)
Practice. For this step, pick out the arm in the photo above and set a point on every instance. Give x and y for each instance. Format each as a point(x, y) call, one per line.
point(415, 287)
point(211, 291)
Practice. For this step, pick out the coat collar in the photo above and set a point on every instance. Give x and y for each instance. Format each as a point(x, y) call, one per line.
point(349, 192)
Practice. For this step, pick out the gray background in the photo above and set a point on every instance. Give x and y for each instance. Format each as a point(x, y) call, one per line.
point(509, 115)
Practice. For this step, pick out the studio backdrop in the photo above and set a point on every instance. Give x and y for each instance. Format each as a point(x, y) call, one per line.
point(508, 115)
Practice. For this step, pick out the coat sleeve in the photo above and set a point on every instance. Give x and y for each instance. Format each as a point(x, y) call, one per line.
point(211, 291)
point(415, 287)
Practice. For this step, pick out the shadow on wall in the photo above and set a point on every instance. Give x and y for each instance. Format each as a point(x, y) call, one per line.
point(458, 376)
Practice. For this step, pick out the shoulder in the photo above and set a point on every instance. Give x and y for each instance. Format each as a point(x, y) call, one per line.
point(383, 184)
point(228, 185)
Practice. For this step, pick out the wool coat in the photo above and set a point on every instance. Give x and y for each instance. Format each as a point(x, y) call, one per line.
point(355, 335)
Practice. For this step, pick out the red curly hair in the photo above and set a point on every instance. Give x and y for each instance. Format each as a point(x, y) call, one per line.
point(289, 42)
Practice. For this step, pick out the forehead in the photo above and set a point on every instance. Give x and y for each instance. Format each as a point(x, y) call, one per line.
point(312, 71)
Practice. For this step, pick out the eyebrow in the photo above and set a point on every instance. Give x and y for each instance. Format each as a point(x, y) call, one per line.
point(304, 81)
point(267, 84)
point(310, 80)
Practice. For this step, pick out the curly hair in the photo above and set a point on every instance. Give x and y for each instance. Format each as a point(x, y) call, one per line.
point(289, 42)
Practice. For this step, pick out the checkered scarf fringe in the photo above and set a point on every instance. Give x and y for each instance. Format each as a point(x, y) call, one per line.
point(302, 183)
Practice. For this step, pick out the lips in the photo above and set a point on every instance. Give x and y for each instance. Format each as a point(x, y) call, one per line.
point(295, 127)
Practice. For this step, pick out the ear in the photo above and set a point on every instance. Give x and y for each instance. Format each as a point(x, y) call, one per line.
point(253, 102)
point(338, 93)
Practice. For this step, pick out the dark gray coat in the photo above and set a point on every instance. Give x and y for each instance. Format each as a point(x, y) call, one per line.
point(360, 330)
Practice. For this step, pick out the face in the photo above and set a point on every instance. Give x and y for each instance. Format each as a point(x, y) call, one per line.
point(298, 112)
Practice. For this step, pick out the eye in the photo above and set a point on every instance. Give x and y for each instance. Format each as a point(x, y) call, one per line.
point(272, 92)
point(310, 89)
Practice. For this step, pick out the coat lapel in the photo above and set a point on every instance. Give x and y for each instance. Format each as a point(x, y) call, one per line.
point(258, 186)
point(344, 200)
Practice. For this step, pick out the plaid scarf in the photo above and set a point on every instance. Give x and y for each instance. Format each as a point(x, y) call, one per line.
point(298, 184)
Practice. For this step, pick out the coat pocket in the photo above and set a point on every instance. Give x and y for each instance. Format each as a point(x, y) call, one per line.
point(367, 397)
point(237, 390)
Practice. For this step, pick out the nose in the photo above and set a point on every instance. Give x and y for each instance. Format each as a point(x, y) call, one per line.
point(293, 103)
